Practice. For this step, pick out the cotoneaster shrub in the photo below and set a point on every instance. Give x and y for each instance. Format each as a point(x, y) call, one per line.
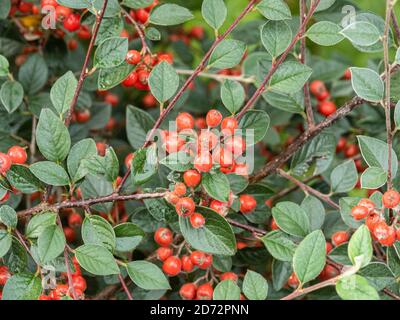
point(149, 150)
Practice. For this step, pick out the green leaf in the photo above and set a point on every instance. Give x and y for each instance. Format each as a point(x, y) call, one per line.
point(397, 58)
point(367, 84)
point(373, 178)
point(276, 37)
point(109, 27)
point(11, 95)
point(361, 33)
point(178, 161)
point(111, 165)
point(113, 8)
point(52, 136)
point(290, 77)
point(4, 65)
point(147, 275)
point(344, 177)
point(346, 204)
point(310, 257)
point(5, 6)
point(274, 9)
point(139, 123)
point(360, 247)
point(95, 186)
point(255, 287)
point(96, 230)
point(323, 4)
point(96, 259)
point(16, 259)
point(8, 216)
point(397, 115)
point(22, 179)
point(222, 263)
point(5, 242)
point(214, 12)
point(75, 4)
point(152, 34)
point(281, 272)
point(111, 77)
point(355, 287)
point(163, 81)
point(159, 209)
point(39, 222)
point(62, 92)
point(237, 183)
point(378, 275)
point(84, 149)
point(128, 236)
point(257, 120)
point(215, 237)
point(315, 211)
point(170, 14)
point(51, 243)
point(144, 165)
point(227, 54)
point(325, 33)
point(289, 102)
point(33, 74)
point(137, 4)
point(22, 286)
point(111, 52)
point(50, 173)
point(232, 95)
point(291, 218)
point(375, 153)
point(216, 185)
point(279, 245)
point(226, 290)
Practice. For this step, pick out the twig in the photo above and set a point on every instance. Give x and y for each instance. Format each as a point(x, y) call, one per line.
point(121, 279)
point(281, 59)
point(253, 230)
point(309, 189)
point(139, 30)
point(85, 71)
point(218, 77)
point(300, 292)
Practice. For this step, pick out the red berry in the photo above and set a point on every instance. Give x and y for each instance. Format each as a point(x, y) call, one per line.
point(372, 220)
point(192, 178)
point(5, 163)
point(340, 237)
point(235, 144)
point(274, 226)
point(25, 7)
point(247, 203)
point(5, 197)
point(347, 74)
point(326, 108)
point(172, 198)
point(62, 12)
point(213, 118)
point(241, 169)
point(149, 101)
point(207, 140)
point(317, 88)
point(187, 264)
point(101, 148)
point(341, 144)
point(328, 247)
point(84, 33)
point(133, 57)
point(79, 282)
point(4, 275)
point(398, 234)
point(172, 266)
point(229, 125)
point(367, 203)
point(229, 276)
point(70, 234)
point(82, 116)
point(163, 236)
point(130, 80)
point(51, 3)
point(197, 220)
point(241, 245)
point(184, 121)
point(207, 262)
point(385, 234)
point(188, 291)
point(203, 162)
point(128, 160)
point(293, 281)
point(72, 44)
point(328, 272)
point(44, 297)
point(165, 57)
point(185, 207)
point(74, 220)
point(200, 123)
point(225, 159)
point(163, 253)
point(142, 16)
point(112, 99)
point(219, 207)
point(205, 292)
point(72, 22)
point(359, 212)
point(197, 32)
point(17, 155)
point(173, 142)
point(180, 189)
point(351, 151)
point(391, 199)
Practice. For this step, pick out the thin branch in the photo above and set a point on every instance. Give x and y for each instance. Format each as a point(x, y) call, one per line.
point(121, 279)
point(309, 189)
point(300, 292)
point(254, 230)
point(218, 77)
point(139, 30)
point(250, 103)
point(85, 71)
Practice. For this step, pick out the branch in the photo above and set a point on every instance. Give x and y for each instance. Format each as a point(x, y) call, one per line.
point(300, 292)
point(246, 227)
point(139, 30)
point(276, 65)
point(121, 279)
point(89, 202)
point(309, 189)
point(85, 71)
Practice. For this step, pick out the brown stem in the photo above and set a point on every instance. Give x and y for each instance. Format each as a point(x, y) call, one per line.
point(69, 275)
point(124, 286)
point(253, 230)
point(308, 189)
point(276, 65)
point(84, 71)
point(138, 29)
point(300, 292)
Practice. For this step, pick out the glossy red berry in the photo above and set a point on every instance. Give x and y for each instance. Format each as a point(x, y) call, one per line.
point(359, 212)
point(197, 32)
point(133, 57)
point(235, 144)
point(326, 108)
point(205, 292)
point(229, 125)
point(372, 220)
point(142, 16)
point(328, 272)
point(213, 118)
point(149, 101)
point(130, 80)
point(341, 144)
point(229, 276)
point(172, 266)
point(163, 236)
point(340, 237)
point(219, 206)
point(5, 197)
point(347, 74)
point(247, 203)
point(82, 116)
point(74, 220)
point(180, 189)
point(197, 220)
point(317, 88)
point(17, 155)
point(385, 234)
point(101, 148)
point(203, 162)
point(207, 140)
point(63, 12)
point(351, 151)
point(391, 199)
point(128, 160)
point(167, 57)
point(192, 178)
point(185, 206)
point(72, 22)
point(293, 281)
point(274, 225)
point(5, 163)
point(184, 121)
point(70, 234)
point(79, 282)
point(187, 264)
point(4, 275)
point(328, 247)
point(163, 253)
point(367, 203)
point(112, 99)
point(188, 291)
